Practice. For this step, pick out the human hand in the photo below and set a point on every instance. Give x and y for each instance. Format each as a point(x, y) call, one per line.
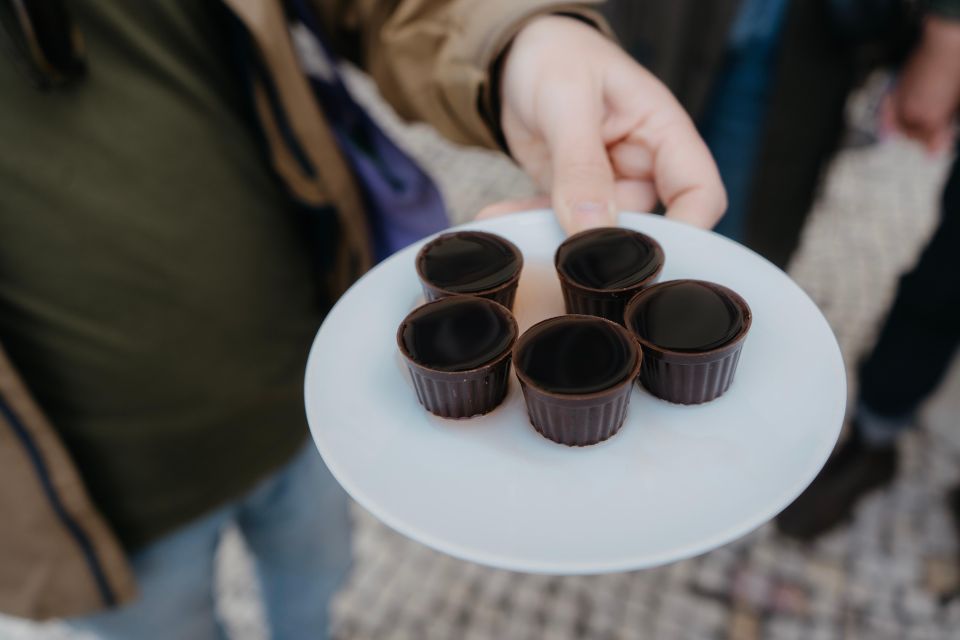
point(599, 132)
point(927, 95)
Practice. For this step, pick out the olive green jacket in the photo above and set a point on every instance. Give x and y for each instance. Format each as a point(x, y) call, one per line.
point(432, 60)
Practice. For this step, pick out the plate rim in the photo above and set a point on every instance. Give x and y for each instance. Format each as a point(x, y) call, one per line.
point(632, 563)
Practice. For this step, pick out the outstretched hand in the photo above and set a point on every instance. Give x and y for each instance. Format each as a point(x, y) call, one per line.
point(925, 99)
point(599, 133)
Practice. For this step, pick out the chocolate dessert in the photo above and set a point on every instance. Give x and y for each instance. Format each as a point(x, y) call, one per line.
point(470, 263)
point(601, 269)
point(691, 333)
point(577, 372)
point(458, 351)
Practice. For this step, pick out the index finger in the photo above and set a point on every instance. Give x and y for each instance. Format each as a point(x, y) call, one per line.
point(685, 173)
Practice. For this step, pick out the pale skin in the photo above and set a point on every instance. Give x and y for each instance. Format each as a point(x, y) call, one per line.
point(599, 133)
point(925, 100)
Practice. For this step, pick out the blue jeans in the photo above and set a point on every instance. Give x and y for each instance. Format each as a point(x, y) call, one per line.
point(733, 122)
point(296, 524)
point(920, 335)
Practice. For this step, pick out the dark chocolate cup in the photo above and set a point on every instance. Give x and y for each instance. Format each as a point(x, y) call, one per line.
point(504, 293)
point(577, 420)
point(461, 394)
point(690, 378)
point(603, 303)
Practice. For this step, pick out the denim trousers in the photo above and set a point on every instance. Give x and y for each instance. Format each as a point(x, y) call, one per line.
point(732, 125)
point(296, 525)
point(920, 335)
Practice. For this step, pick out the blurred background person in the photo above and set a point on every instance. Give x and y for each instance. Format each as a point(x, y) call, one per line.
point(919, 337)
point(766, 81)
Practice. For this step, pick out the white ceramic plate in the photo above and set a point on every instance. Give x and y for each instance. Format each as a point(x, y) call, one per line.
point(674, 482)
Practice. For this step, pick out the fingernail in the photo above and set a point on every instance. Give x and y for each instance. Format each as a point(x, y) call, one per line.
point(593, 214)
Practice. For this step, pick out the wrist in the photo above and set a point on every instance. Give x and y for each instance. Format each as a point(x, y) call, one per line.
point(491, 107)
point(537, 30)
point(942, 35)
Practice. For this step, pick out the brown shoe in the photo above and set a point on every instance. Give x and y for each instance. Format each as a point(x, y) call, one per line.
point(852, 472)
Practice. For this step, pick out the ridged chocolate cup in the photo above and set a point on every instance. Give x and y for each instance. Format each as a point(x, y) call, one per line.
point(604, 303)
point(467, 393)
point(577, 420)
point(690, 377)
point(504, 293)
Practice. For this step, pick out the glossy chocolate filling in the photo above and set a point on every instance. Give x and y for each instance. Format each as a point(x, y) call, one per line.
point(610, 258)
point(576, 356)
point(459, 334)
point(467, 262)
point(688, 317)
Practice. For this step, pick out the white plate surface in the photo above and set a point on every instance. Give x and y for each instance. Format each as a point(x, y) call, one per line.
point(674, 482)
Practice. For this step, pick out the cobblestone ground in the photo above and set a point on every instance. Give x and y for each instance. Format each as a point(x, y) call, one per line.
point(893, 573)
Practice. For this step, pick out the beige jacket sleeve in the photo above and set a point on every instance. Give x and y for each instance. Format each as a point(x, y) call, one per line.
point(432, 59)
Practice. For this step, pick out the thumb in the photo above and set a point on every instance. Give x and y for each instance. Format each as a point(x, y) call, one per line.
point(583, 189)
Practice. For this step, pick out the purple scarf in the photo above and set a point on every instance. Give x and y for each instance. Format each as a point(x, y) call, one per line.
point(402, 203)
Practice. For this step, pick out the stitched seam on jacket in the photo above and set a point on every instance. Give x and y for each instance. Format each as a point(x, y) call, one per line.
point(76, 532)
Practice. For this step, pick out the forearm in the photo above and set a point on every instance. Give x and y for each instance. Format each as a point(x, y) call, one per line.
point(940, 45)
point(942, 32)
point(926, 98)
